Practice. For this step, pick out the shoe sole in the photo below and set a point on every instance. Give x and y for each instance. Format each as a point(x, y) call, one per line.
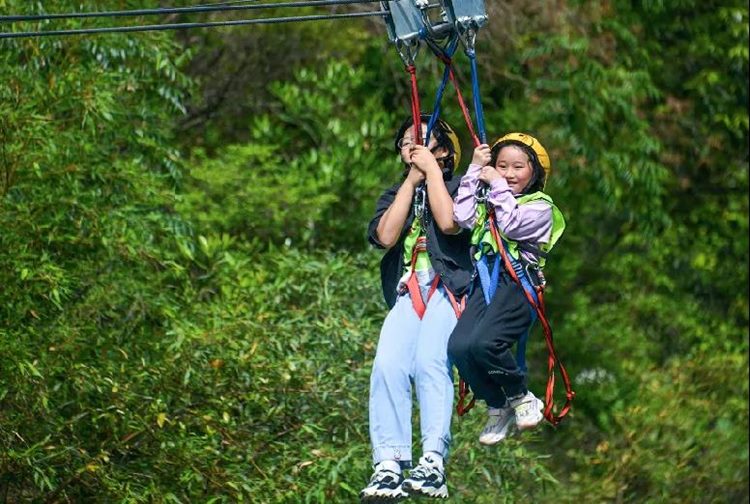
point(384, 497)
point(383, 500)
point(434, 493)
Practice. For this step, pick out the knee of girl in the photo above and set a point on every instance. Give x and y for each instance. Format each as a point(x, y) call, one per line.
point(386, 370)
point(431, 365)
point(482, 350)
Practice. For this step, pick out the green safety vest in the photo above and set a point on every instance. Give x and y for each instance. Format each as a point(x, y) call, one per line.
point(481, 237)
point(423, 260)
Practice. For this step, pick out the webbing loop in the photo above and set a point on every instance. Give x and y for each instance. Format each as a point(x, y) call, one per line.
point(463, 391)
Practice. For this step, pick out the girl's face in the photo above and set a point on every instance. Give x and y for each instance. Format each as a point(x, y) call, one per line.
point(515, 167)
point(408, 140)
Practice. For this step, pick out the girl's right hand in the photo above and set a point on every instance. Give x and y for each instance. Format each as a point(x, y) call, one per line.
point(482, 155)
point(415, 176)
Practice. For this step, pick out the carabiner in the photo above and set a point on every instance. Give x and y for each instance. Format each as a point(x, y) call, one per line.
point(408, 51)
point(482, 193)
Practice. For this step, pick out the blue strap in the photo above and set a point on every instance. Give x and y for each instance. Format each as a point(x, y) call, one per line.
point(476, 95)
point(489, 281)
point(448, 53)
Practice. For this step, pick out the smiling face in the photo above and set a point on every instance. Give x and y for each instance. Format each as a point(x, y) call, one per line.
point(515, 167)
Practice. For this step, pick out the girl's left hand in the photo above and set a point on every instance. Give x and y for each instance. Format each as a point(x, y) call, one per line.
point(421, 157)
point(488, 174)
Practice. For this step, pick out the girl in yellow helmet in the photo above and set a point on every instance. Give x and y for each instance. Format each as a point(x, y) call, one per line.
point(510, 176)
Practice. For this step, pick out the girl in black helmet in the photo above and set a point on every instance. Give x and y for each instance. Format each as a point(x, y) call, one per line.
point(498, 315)
point(424, 271)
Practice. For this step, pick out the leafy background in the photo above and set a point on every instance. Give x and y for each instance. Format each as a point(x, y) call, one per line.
point(189, 308)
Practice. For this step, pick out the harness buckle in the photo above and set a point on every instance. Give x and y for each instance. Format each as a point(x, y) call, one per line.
point(537, 278)
point(420, 202)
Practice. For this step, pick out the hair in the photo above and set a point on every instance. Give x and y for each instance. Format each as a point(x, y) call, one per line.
point(537, 178)
point(440, 132)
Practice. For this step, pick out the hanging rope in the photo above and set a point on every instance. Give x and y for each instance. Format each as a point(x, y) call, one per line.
point(446, 57)
point(478, 111)
point(415, 106)
point(443, 83)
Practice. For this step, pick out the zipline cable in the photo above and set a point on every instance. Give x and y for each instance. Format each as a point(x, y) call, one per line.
point(222, 7)
point(185, 26)
point(233, 2)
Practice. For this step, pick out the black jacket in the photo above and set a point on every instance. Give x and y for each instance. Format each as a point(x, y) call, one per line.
point(449, 254)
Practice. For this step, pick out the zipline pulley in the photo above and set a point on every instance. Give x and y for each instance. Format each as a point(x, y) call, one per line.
point(466, 14)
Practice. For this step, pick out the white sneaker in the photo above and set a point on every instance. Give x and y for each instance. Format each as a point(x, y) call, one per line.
point(427, 479)
point(528, 411)
point(385, 484)
point(499, 425)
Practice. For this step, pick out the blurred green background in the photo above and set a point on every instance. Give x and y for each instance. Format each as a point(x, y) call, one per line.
point(189, 308)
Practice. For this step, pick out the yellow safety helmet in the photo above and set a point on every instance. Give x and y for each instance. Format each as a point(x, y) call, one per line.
point(454, 141)
point(533, 143)
point(444, 135)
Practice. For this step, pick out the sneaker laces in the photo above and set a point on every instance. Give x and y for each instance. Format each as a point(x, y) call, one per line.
point(381, 473)
point(424, 468)
point(527, 408)
point(420, 472)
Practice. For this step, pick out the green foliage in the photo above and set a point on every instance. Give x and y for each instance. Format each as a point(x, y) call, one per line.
point(197, 325)
point(324, 154)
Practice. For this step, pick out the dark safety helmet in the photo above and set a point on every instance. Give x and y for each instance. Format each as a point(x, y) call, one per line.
point(445, 137)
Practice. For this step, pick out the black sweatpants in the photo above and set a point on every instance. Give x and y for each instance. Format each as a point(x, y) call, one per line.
point(482, 341)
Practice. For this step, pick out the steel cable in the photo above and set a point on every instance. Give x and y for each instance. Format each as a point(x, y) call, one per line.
point(219, 7)
point(185, 26)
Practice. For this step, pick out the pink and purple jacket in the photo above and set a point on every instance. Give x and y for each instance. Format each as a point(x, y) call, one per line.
point(530, 222)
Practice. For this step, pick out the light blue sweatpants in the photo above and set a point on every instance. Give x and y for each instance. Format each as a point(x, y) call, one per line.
point(412, 349)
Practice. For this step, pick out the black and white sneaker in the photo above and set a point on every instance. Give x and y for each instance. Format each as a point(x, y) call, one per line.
point(385, 484)
point(427, 479)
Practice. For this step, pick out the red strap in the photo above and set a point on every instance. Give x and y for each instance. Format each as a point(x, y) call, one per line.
point(463, 391)
point(552, 359)
point(458, 306)
point(415, 107)
point(419, 304)
point(464, 109)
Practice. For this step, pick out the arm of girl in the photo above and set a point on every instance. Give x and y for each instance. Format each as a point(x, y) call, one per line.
point(465, 207)
point(531, 222)
point(441, 203)
point(392, 222)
